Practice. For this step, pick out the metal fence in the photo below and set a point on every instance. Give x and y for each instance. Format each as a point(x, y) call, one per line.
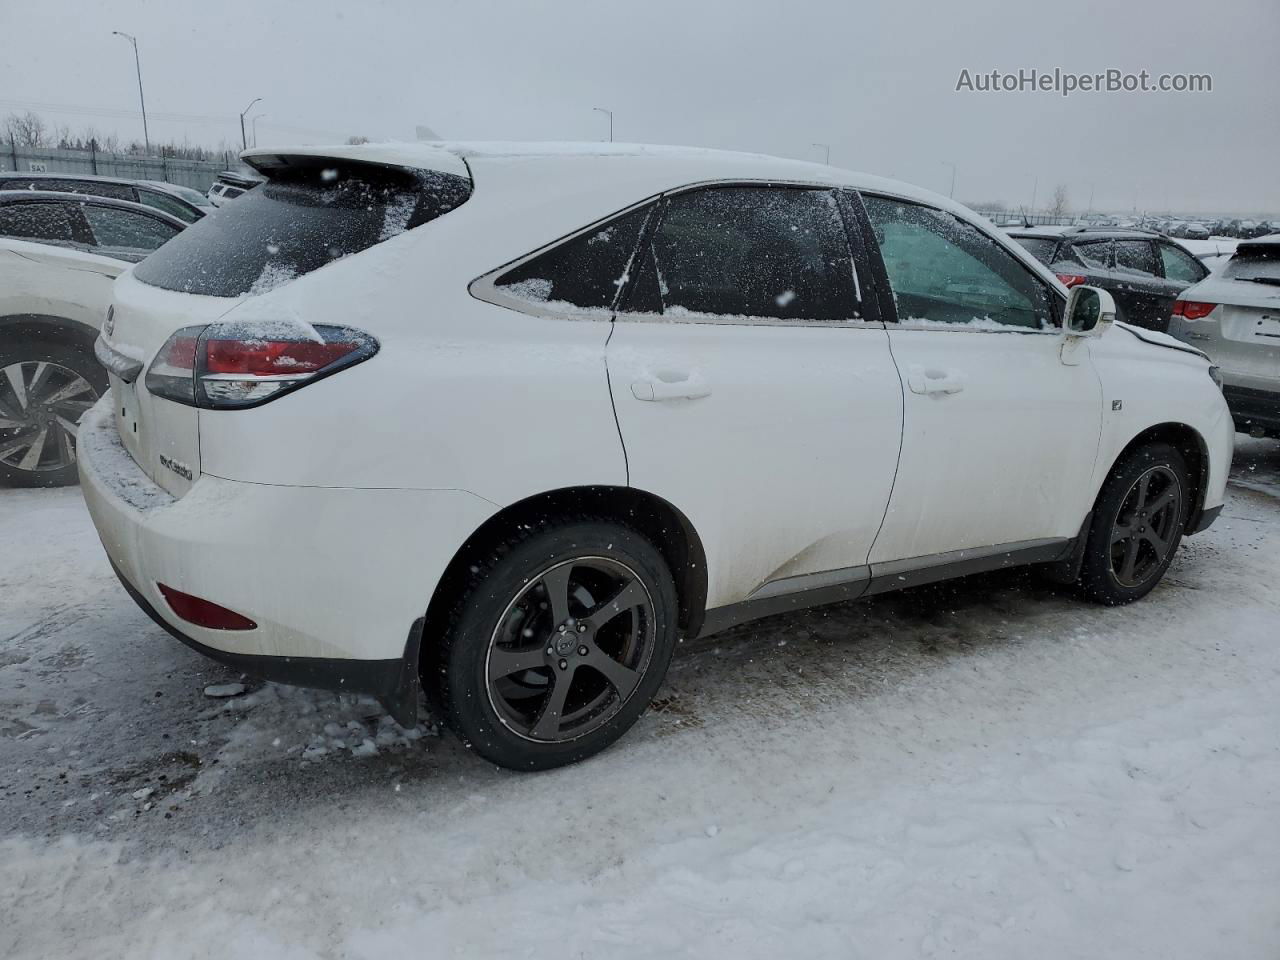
point(198, 174)
point(1029, 219)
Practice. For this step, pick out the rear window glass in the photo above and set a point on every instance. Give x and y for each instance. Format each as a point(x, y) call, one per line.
point(310, 213)
point(1039, 247)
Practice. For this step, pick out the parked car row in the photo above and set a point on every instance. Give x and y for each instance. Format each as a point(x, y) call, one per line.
point(182, 202)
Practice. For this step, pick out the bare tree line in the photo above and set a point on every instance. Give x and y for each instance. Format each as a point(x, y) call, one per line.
point(29, 129)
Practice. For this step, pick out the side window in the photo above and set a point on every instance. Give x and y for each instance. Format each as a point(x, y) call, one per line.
point(1180, 265)
point(125, 233)
point(1136, 257)
point(770, 253)
point(944, 270)
point(170, 205)
point(1096, 254)
point(585, 272)
point(43, 222)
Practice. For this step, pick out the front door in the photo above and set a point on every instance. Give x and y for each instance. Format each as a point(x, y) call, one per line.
point(999, 434)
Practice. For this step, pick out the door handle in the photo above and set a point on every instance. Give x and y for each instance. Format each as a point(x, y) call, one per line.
point(931, 380)
point(689, 387)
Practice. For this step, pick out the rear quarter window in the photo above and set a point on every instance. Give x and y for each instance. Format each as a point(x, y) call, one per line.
point(308, 214)
point(1039, 247)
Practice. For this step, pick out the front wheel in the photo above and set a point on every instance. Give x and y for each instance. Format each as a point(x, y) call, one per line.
point(1137, 525)
point(558, 643)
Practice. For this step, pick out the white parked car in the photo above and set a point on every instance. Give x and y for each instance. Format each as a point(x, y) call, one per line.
point(59, 254)
point(508, 421)
point(1233, 315)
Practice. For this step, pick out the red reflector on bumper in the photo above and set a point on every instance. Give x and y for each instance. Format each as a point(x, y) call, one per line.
point(204, 613)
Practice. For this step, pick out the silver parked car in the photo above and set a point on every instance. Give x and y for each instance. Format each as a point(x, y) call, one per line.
point(1234, 316)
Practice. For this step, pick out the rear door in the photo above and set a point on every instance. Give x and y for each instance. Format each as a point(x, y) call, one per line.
point(999, 434)
point(1139, 279)
point(754, 387)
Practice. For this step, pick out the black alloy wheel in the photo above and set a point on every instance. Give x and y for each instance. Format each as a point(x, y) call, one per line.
point(556, 643)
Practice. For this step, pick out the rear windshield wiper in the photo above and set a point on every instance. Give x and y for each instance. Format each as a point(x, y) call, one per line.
point(1273, 281)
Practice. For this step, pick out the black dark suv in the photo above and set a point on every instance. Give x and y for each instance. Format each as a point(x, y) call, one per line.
point(1144, 271)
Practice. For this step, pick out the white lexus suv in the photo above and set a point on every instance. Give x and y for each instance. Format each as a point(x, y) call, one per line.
point(504, 422)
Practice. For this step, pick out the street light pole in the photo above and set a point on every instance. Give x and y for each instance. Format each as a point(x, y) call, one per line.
point(256, 118)
point(244, 140)
point(146, 136)
point(610, 113)
point(827, 148)
point(948, 163)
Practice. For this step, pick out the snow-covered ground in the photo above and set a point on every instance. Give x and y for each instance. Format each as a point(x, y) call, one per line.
point(983, 769)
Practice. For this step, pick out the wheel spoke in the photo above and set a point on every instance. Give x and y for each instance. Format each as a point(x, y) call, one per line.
point(503, 663)
point(1157, 542)
point(1121, 531)
point(17, 383)
point(9, 424)
point(631, 595)
point(1162, 501)
point(66, 446)
point(72, 389)
point(39, 380)
point(31, 459)
point(622, 678)
point(12, 446)
point(9, 413)
point(556, 583)
point(1143, 484)
point(552, 713)
point(1130, 560)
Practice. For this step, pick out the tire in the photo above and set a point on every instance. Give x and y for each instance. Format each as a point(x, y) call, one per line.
point(524, 693)
point(45, 387)
point(1138, 521)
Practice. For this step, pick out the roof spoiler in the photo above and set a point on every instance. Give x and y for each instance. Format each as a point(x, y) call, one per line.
point(1268, 249)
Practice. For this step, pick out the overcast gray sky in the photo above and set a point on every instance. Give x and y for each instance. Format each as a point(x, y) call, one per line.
point(875, 81)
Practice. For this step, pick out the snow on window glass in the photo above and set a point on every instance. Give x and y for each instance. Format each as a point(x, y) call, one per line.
point(748, 253)
point(303, 217)
point(585, 272)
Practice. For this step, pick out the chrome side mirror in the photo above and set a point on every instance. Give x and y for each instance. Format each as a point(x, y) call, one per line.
point(1089, 312)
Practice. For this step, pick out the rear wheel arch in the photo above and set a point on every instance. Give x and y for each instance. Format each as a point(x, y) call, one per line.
point(1188, 442)
point(658, 521)
point(49, 328)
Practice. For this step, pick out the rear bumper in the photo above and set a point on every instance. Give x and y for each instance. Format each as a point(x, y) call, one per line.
point(1252, 408)
point(336, 579)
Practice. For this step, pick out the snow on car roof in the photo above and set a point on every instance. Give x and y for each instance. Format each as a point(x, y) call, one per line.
point(677, 164)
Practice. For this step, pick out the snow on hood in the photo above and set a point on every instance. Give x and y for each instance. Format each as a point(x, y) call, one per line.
point(1160, 339)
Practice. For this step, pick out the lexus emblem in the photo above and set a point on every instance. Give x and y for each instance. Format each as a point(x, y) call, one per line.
point(109, 325)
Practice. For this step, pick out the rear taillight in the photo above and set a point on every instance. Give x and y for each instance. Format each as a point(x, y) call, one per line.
point(225, 366)
point(1192, 309)
point(172, 372)
point(204, 613)
point(1071, 279)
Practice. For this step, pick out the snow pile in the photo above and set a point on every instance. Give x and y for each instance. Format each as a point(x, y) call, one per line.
point(308, 726)
point(99, 442)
